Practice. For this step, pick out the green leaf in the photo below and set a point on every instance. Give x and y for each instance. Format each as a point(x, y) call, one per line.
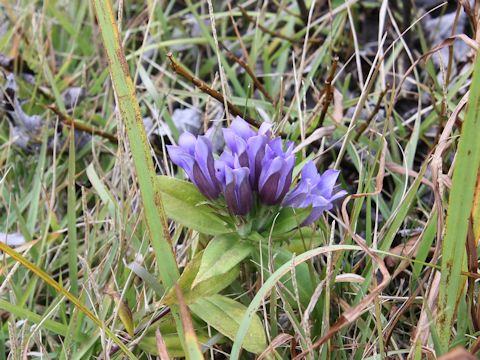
point(303, 279)
point(287, 220)
point(206, 288)
point(172, 341)
point(186, 205)
point(224, 315)
point(460, 206)
point(223, 253)
point(124, 312)
point(131, 116)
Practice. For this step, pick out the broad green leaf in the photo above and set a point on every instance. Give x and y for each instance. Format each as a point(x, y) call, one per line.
point(222, 254)
point(186, 205)
point(224, 315)
point(287, 220)
point(206, 288)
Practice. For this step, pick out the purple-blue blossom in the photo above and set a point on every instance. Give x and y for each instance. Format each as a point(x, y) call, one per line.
point(276, 172)
point(195, 156)
point(314, 190)
point(253, 164)
point(238, 192)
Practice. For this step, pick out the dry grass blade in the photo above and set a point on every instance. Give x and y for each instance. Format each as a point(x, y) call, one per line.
point(250, 73)
point(355, 312)
point(161, 347)
point(278, 341)
point(191, 343)
point(60, 289)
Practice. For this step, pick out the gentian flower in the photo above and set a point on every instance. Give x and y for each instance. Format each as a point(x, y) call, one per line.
point(238, 191)
point(248, 145)
point(236, 184)
point(253, 164)
point(195, 156)
point(276, 172)
point(314, 190)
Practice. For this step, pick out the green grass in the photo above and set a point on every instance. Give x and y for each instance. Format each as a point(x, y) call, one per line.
point(107, 239)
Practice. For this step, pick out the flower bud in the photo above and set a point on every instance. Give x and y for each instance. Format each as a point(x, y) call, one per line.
point(276, 172)
point(238, 192)
point(195, 156)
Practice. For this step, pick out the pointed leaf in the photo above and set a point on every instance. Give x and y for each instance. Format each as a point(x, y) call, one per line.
point(205, 288)
point(221, 255)
point(224, 315)
point(186, 205)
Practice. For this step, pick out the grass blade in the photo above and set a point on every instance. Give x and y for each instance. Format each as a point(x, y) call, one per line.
point(60, 289)
point(460, 204)
point(130, 113)
point(155, 216)
point(72, 218)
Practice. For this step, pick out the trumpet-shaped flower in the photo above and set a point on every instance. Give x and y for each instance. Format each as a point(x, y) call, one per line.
point(248, 145)
point(195, 156)
point(314, 190)
point(238, 191)
point(276, 172)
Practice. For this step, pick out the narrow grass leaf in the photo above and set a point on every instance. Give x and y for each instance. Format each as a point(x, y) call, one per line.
point(72, 217)
point(465, 174)
point(50, 325)
point(151, 196)
point(45, 277)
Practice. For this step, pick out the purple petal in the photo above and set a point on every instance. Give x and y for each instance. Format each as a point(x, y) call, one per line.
point(269, 189)
point(230, 196)
point(275, 147)
point(268, 184)
point(310, 171)
point(204, 157)
point(265, 129)
point(338, 195)
point(242, 128)
point(245, 195)
point(220, 171)
point(238, 193)
point(228, 158)
point(233, 141)
point(327, 182)
point(188, 142)
point(256, 153)
point(203, 184)
point(270, 168)
point(315, 215)
point(181, 158)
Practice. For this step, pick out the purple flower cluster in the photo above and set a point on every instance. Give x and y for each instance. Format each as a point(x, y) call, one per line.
point(253, 163)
